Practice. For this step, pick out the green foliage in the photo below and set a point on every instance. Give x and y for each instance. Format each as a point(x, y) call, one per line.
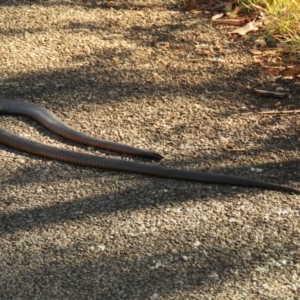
point(283, 17)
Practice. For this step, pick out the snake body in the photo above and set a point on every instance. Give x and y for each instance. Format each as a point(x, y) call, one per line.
point(52, 122)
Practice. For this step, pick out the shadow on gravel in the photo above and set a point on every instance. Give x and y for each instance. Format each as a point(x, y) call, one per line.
point(110, 81)
point(88, 4)
point(107, 74)
point(285, 171)
point(88, 80)
point(142, 278)
point(122, 200)
point(145, 277)
point(153, 276)
point(117, 277)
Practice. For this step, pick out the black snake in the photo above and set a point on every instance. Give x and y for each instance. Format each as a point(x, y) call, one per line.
point(52, 122)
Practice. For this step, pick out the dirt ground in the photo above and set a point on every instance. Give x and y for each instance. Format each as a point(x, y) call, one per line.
point(146, 74)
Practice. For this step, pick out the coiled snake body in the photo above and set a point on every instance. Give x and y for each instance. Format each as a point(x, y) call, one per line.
point(52, 122)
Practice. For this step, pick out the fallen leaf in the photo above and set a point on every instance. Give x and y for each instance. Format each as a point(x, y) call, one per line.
point(216, 17)
point(244, 30)
point(291, 71)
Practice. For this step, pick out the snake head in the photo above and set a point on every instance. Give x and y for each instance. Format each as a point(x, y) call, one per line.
point(155, 156)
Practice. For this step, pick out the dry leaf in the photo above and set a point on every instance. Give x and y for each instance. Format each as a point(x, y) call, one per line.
point(291, 71)
point(216, 17)
point(244, 30)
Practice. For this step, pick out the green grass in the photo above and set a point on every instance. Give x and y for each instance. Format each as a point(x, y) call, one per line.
point(283, 17)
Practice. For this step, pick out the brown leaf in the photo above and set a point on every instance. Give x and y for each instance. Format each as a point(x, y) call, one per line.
point(291, 71)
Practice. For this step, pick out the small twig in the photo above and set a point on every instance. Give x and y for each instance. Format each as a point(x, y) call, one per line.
point(279, 112)
point(272, 67)
point(195, 59)
point(259, 7)
point(271, 93)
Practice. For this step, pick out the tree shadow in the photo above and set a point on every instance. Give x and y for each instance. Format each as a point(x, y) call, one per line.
point(91, 4)
point(28, 219)
point(103, 274)
point(73, 272)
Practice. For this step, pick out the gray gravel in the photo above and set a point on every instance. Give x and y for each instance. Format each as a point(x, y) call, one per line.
point(123, 72)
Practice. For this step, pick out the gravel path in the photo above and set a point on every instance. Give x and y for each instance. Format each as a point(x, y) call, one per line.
point(145, 74)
